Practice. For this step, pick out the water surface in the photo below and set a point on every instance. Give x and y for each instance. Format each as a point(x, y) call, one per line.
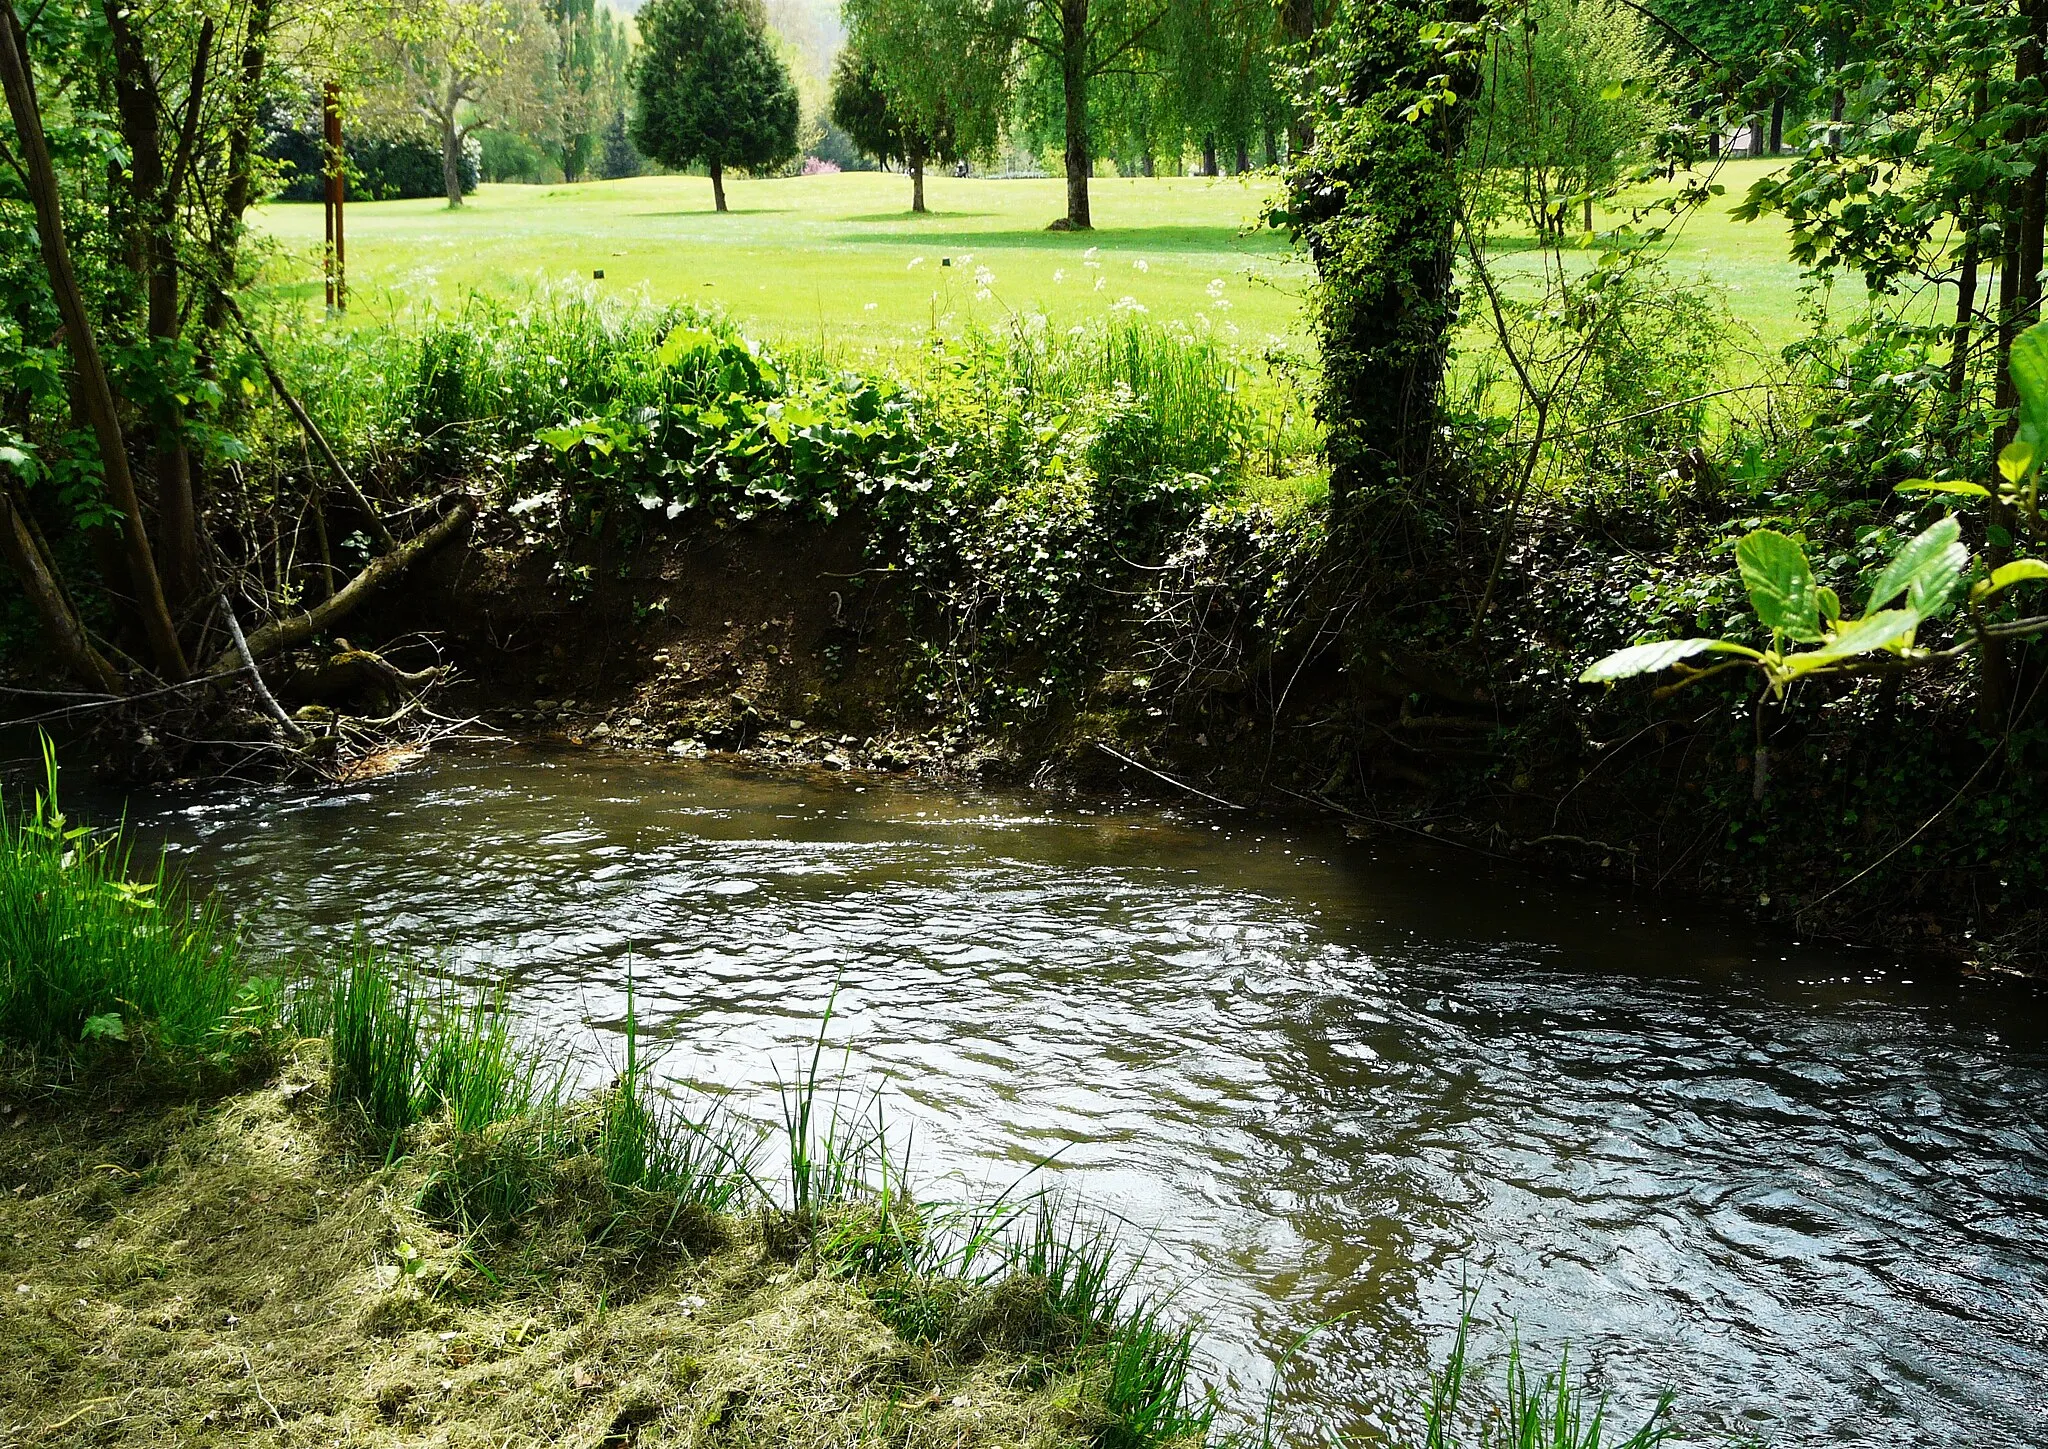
point(1805, 1190)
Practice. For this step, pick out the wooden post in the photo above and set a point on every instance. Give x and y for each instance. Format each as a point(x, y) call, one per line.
point(336, 194)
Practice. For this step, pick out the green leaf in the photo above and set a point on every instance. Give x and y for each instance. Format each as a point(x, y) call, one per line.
point(2019, 571)
point(1928, 485)
point(2029, 367)
point(1649, 658)
point(1780, 583)
point(1867, 635)
point(563, 439)
point(1830, 606)
point(2016, 461)
point(106, 1027)
point(1926, 571)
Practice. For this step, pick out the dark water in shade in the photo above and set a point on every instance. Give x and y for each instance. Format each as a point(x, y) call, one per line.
point(1805, 1190)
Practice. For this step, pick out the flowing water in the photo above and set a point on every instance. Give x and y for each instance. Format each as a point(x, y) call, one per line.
point(1325, 1082)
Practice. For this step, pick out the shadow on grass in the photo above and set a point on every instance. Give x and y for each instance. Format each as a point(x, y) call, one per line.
point(1154, 238)
point(708, 212)
point(919, 218)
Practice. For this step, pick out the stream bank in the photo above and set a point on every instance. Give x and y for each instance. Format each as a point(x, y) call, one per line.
point(1218, 675)
point(231, 1268)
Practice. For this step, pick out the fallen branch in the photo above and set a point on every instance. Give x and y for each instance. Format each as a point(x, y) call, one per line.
point(296, 629)
point(1162, 775)
point(291, 726)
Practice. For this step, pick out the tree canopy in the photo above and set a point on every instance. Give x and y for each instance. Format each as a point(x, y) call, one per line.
point(712, 91)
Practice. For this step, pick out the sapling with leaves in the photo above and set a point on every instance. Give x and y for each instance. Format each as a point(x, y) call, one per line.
point(1923, 582)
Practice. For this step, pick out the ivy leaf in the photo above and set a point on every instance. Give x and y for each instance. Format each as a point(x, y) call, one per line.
point(1650, 658)
point(1926, 571)
point(1780, 583)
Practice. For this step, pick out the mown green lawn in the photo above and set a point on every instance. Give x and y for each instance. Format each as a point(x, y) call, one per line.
point(839, 258)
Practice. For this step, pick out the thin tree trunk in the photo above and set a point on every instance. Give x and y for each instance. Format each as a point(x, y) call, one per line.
point(1272, 148)
point(1148, 165)
point(93, 389)
point(154, 188)
point(39, 582)
point(1244, 156)
point(917, 184)
point(1074, 89)
point(1966, 315)
point(1777, 125)
point(1209, 154)
point(718, 185)
point(451, 159)
point(241, 183)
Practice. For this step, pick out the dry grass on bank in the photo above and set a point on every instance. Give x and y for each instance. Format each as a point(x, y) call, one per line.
point(233, 1270)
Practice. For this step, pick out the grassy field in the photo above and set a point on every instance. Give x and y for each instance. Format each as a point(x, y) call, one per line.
point(841, 259)
point(837, 258)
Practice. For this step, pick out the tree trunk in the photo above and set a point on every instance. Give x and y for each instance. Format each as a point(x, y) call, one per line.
point(718, 184)
point(1074, 88)
point(39, 582)
point(1777, 125)
point(917, 184)
point(226, 242)
point(92, 389)
point(451, 159)
point(154, 200)
point(1298, 18)
point(1148, 165)
point(1244, 156)
point(1209, 154)
point(1272, 149)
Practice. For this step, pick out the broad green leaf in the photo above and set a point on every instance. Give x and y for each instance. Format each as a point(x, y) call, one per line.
point(1649, 658)
point(562, 439)
point(2019, 571)
point(1928, 485)
point(1780, 584)
point(682, 341)
point(1926, 571)
point(2016, 461)
point(2029, 366)
point(1888, 630)
point(1830, 606)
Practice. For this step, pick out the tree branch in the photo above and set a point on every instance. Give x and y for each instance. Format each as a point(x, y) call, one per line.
point(296, 629)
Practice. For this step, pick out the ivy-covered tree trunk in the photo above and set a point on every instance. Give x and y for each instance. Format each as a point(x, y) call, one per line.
point(1376, 203)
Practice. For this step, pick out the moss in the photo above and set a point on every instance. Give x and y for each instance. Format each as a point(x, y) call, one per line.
point(235, 1269)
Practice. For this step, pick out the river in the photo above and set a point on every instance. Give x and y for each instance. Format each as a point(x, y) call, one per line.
point(1323, 1082)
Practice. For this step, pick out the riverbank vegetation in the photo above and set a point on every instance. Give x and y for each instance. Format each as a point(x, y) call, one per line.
point(1369, 573)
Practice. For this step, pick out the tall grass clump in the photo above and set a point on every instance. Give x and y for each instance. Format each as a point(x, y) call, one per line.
point(403, 1048)
point(1549, 1412)
point(90, 952)
point(708, 1163)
